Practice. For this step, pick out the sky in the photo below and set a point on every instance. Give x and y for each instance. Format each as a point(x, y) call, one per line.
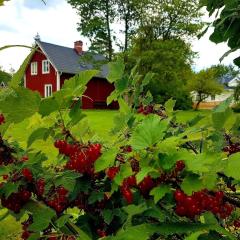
point(56, 22)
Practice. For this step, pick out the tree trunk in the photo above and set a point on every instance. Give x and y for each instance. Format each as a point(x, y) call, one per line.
point(197, 105)
point(110, 49)
point(126, 25)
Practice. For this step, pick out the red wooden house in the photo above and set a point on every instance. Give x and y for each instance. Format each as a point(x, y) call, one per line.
point(52, 64)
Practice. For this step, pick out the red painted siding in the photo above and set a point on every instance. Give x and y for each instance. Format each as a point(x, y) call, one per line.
point(96, 94)
point(37, 82)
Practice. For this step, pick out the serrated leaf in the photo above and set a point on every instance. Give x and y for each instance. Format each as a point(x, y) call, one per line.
point(108, 216)
point(76, 85)
point(34, 236)
point(62, 220)
point(149, 132)
point(67, 179)
point(39, 133)
point(125, 171)
point(143, 173)
point(76, 114)
point(191, 183)
point(116, 70)
point(169, 105)
point(47, 106)
point(20, 105)
point(42, 215)
point(159, 192)
point(10, 188)
point(233, 166)
point(96, 197)
point(106, 160)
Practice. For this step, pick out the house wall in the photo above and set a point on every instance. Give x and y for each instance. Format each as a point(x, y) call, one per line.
point(37, 82)
point(95, 97)
point(63, 77)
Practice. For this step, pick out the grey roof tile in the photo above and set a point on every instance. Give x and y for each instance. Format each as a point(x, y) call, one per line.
point(66, 60)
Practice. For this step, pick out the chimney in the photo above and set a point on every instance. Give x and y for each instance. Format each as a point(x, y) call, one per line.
point(78, 47)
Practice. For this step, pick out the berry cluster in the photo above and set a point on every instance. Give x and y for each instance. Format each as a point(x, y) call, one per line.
point(16, 200)
point(150, 109)
point(6, 157)
point(58, 199)
point(232, 148)
point(199, 202)
point(236, 223)
point(26, 234)
point(81, 158)
point(2, 119)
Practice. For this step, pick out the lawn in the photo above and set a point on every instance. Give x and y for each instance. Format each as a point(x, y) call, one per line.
point(100, 122)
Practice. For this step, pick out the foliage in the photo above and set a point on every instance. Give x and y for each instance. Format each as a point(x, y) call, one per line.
point(170, 61)
point(131, 188)
point(204, 84)
point(95, 20)
point(163, 19)
point(4, 76)
point(145, 19)
point(226, 24)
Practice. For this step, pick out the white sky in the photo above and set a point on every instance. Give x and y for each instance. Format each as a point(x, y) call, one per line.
point(20, 20)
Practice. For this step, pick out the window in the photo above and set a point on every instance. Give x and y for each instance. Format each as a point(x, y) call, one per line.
point(48, 90)
point(34, 69)
point(45, 66)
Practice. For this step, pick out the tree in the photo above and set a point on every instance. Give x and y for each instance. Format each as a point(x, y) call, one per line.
point(204, 84)
point(96, 18)
point(223, 71)
point(128, 13)
point(170, 61)
point(226, 24)
point(164, 19)
point(4, 76)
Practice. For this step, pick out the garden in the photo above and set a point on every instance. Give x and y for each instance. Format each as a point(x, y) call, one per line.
point(150, 171)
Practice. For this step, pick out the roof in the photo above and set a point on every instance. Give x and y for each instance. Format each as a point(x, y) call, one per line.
point(66, 60)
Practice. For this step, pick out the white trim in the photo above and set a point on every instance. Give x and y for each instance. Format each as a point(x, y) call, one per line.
point(25, 81)
point(47, 56)
point(43, 65)
point(58, 81)
point(47, 90)
point(34, 68)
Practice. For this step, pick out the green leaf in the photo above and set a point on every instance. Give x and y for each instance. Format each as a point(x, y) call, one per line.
point(143, 173)
point(18, 76)
point(10, 188)
point(42, 215)
point(96, 197)
point(222, 113)
point(116, 70)
point(67, 179)
point(39, 133)
point(125, 171)
point(191, 183)
point(76, 85)
point(34, 236)
point(63, 220)
point(76, 114)
point(108, 216)
point(106, 160)
point(169, 105)
point(159, 192)
point(23, 104)
point(233, 166)
point(149, 132)
point(47, 106)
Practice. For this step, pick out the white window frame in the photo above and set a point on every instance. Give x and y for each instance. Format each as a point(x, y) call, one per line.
point(34, 68)
point(48, 90)
point(45, 71)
